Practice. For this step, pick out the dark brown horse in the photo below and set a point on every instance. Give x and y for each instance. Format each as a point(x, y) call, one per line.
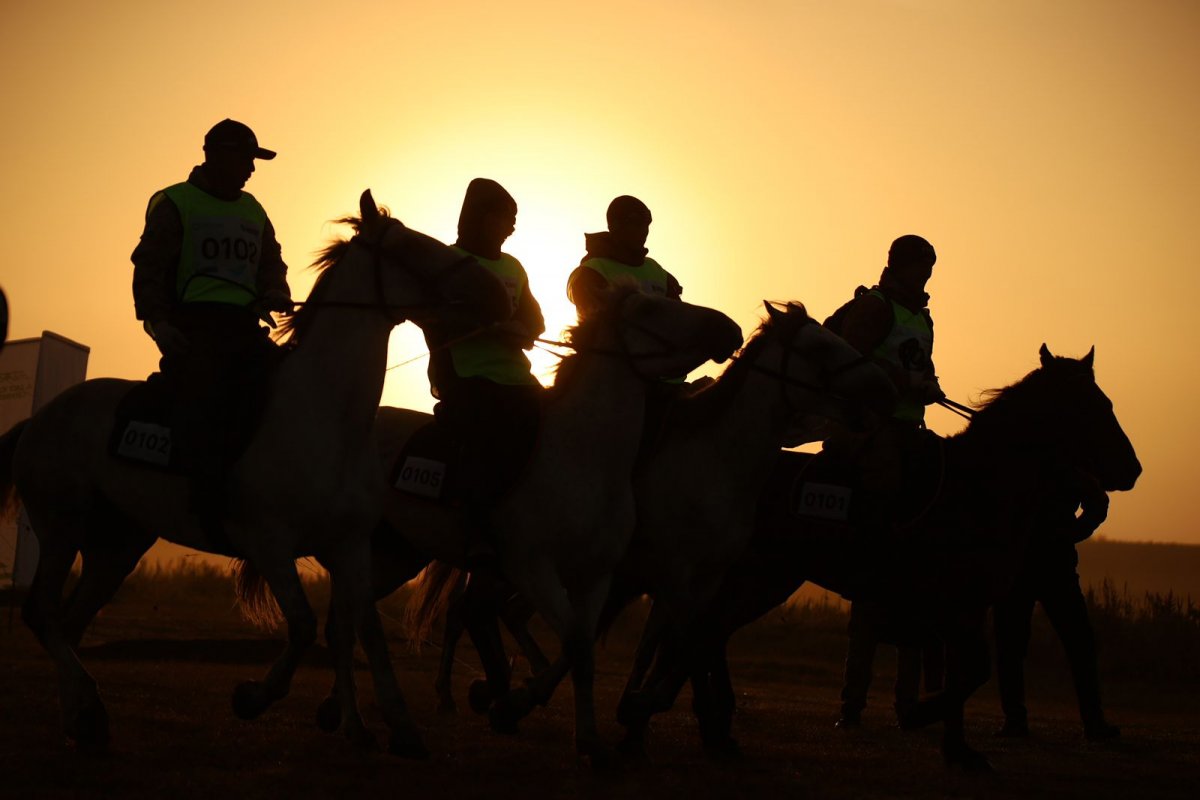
point(942, 571)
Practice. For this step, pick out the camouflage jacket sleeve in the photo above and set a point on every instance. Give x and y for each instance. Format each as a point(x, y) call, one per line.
point(272, 272)
point(156, 260)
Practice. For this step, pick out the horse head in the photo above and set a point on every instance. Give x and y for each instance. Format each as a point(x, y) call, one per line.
point(662, 337)
point(1080, 418)
point(821, 375)
point(431, 276)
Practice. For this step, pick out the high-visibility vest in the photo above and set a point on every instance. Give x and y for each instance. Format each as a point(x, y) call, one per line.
point(492, 357)
point(650, 276)
point(222, 245)
point(908, 347)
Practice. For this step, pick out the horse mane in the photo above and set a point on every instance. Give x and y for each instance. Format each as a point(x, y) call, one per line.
point(1001, 409)
point(711, 401)
point(291, 330)
point(581, 335)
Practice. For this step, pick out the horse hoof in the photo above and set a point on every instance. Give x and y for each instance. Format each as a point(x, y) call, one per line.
point(968, 759)
point(408, 745)
point(480, 696)
point(329, 715)
point(89, 731)
point(250, 700)
point(509, 709)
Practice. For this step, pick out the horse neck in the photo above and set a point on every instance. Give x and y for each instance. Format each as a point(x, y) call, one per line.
point(340, 363)
point(747, 434)
point(599, 416)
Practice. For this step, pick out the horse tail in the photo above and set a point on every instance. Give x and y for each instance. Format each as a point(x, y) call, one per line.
point(8, 489)
point(432, 593)
point(254, 599)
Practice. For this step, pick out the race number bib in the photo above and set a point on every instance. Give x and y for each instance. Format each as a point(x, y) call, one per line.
point(822, 500)
point(227, 248)
point(422, 476)
point(145, 441)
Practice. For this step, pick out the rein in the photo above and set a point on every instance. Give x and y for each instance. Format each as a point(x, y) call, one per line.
point(966, 412)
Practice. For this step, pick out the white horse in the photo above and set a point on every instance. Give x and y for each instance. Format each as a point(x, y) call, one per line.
point(566, 522)
point(308, 484)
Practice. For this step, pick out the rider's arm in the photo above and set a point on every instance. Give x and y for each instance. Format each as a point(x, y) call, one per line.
point(272, 272)
point(528, 318)
point(674, 288)
point(156, 260)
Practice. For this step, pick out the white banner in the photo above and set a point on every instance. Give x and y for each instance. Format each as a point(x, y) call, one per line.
point(32, 373)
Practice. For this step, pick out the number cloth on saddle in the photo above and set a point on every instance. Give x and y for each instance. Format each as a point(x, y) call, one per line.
point(427, 466)
point(141, 430)
point(822, 491)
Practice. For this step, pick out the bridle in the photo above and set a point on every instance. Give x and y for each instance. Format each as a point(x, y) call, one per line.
point(394, 313)
point(785, 380)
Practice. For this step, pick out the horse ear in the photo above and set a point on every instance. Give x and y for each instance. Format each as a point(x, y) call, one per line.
point(367, 208)
point(1090, 358)
point(772, 312)
point(1045, 354)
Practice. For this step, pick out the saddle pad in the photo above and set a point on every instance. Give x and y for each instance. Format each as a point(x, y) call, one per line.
point(141, 431)
point(425, 467)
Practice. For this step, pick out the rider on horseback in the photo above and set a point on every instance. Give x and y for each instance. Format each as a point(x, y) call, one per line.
point(488, 395)
point(891, 324)
point(206, 270)
point(620, 253)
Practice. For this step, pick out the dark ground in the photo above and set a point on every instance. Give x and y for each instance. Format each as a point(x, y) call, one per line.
point(166, 673)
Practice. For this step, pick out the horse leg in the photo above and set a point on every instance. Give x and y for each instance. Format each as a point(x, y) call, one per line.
point(455, 625)
point(481, 603)
point(341, 704)
point(389, 571)
point(516, 614)
point(715, 712)
point(354, 575)
point(968, 667)
point(252, 698)
point(643, 658)
point(539, 582)
point(85, 720)
point(580, 647)
point(106, 565)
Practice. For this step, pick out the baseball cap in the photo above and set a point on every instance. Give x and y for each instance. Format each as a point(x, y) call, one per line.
point(231, 134)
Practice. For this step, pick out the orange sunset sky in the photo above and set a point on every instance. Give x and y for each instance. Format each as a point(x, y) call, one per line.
point(1050, 149)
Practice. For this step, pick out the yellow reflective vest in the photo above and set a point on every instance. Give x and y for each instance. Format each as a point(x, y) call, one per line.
point(222, 244)
point(492, 357)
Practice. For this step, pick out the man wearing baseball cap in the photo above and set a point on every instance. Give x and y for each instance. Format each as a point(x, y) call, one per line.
point(206, 272)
